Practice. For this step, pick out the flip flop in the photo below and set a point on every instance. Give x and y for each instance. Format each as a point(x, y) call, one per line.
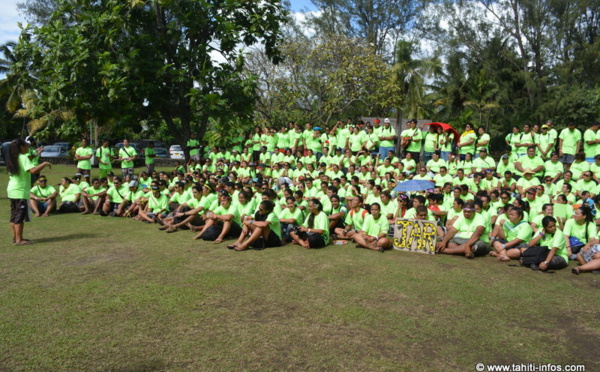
point(575, 271)
point(231, 246)
point(24, 242)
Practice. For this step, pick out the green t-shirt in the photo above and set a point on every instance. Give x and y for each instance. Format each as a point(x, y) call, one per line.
point(127, 152)
point(149, 159)
point(483, 138)
point(416, 136)
point(134, 195)
point(232, 209)
point(434, 166)
point(466, 137)
point(42, 192)
point(156, 204)
point(522, 231)
point(558, 241)
point(116, 196)
point(321, 222)
point(69, 194)
point(482, 164)
point(297, 215)
point(274, 223)
point(356, 219)
point(386, 132)
point(93, 191)
point(19, 184)
point(552, 168)
point(103, 154)
point(466, 228)
point(431, 141)
point(374, 227)
point(84, 151)
point(192, 145)
point(532, 163)
point(572, 228)
point(569, 140)
point(579, 167)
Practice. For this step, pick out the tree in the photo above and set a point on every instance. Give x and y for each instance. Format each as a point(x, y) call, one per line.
point(378, 22)
point(180, 61)
point(323, 79)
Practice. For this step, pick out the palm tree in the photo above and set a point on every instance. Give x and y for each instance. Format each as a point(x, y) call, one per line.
point(411, 74)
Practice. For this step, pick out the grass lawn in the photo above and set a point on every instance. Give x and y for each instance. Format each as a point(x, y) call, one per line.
point(110, 294)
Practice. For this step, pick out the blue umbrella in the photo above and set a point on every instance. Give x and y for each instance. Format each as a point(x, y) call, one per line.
point(414, 185)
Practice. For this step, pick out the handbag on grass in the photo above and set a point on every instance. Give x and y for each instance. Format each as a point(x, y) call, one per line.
point(534, 255)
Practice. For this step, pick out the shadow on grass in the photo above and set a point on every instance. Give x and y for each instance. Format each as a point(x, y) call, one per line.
point(66, 238)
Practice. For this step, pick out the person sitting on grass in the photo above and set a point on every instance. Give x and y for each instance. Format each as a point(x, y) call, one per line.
point(589, 257)
point(290, 219)
point(550, 236)
point(514, 235)
point(354, 219)
point(464, 235)
point(579, 230)
point(314, 233)
point(42, 197)
point(157, 206)
point(188, 213)
point(93, 197)
point(262, 231)
point(224, 221)
point(70, 195)
point(373, 234)
point(115, 202)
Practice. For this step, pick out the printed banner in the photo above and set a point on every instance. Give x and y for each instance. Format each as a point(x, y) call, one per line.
point(415, 236)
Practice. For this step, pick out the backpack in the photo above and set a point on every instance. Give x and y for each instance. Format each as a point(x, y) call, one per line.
point(534, 256)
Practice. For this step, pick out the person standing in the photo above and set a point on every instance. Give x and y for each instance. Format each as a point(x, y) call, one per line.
point(34, 155)
point(387, 138)
point(411, 140)
point(127, 155)
point(150, 155)
point(590, 142)
point(105, 156)
point(193, 146)
point(83, 155)
point(569, 144)
point(20, 170)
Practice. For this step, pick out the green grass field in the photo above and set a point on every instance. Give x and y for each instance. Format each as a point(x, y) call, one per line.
point(110, 294)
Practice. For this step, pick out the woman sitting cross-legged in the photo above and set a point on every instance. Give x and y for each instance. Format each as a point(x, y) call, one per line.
point(224, 221)
point(374, 231)
point(314, 233)
point(514, 235)
point(262, 231)
point(550, 236)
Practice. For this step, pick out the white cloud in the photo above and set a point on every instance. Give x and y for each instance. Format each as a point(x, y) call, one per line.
point(9, 18)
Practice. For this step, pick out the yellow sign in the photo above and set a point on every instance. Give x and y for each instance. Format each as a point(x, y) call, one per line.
point(415, 236)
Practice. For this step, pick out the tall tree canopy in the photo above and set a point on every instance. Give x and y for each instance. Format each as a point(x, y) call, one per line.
point(122, 61)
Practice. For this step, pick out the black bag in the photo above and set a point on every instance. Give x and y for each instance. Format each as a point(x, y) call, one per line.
point(68, 207)
point(212, 233)
point(534, 256)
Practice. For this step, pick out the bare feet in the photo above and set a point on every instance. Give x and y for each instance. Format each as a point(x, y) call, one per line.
point(218, 240)
point(503, 258)
point(494, 254)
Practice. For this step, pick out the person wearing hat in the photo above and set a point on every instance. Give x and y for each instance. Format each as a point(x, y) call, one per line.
point(545, 142)
point(105, 156)
point(483, 161)
point(591, 141)
point(93, 197)
point(42, 197)
point(387, 138)
point(527, 181)
point(569, 144)
point(530, 161)
point(83, 155)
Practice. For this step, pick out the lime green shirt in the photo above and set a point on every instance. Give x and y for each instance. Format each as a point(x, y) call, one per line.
point(466, 228)
point(192, 145)
point(103, 154)
point(386, 132)
point(572, 228)
point(232, 210)
point(84, 151)
point(321, 222)
point(522, 231)
point(416, 135)
point(42, 192)
point(149, 159)
point(127, 152)
point(558, 241)
point(19, 184)
point(569, 140)
point(274, 223)
point(374, 227)
point(70, 193)
point(116, 196)
point(157, 204)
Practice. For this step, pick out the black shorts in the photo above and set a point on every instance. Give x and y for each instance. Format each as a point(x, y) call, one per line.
point(19, 211)
point(272, 240)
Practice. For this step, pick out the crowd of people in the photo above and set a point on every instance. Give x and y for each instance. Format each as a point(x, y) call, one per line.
point(315, 186)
